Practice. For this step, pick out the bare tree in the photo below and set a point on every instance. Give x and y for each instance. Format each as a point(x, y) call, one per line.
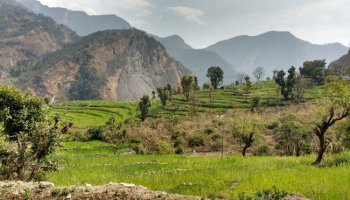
point(259, 73)
point(240, 77)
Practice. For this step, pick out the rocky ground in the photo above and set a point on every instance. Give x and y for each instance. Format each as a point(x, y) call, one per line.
point(117, 191)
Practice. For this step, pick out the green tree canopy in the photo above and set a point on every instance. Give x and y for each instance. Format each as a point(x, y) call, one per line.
point(144, 106)
point(216, 76)
point(187, 85)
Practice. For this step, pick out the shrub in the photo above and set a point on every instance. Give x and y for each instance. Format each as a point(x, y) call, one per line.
point(95, 133)
point(272, 125)
point(209, 130)
point(196, 140)
point(217, 145)
point(178, 134)
point(273, 194)
point(206, 85)
point(263, 151)
point(135, 140)
point(179, 150)
point(341, 159)
point(138, 149)
point(26, 194)
point(216, 136)
point(65, 192)
point(162, 148)
point(55, 192)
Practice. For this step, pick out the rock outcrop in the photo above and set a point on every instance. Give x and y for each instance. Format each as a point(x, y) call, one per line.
point(25, 35)
point(341, 63)
point(119, 65)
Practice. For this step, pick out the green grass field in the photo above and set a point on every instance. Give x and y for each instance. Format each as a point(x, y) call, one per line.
point(201, 175)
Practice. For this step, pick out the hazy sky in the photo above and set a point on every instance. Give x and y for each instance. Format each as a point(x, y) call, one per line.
point(204, 22)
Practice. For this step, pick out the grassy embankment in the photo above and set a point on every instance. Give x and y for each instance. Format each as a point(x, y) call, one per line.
point(201, 175)
point(232, 97)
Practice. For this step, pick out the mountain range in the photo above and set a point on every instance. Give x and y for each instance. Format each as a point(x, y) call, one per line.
point(274, 51)
point(78, 21)
point(25, 35)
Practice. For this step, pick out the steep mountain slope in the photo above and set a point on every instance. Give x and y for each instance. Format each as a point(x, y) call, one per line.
point(342, 63)
point(273, 50)
point(78, 21)
point(119, 65)
point(23, 34)
point(197, 60)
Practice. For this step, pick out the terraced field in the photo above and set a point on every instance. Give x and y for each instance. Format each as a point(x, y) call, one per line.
point(96, 113)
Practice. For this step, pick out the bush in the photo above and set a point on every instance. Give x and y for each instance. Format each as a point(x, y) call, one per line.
point(216, 136)
point(162, 148)
point(135, 140)
point(206, 85)
point(55, 192)
point(65, 192)
point(179, 150)
point(178, 134)
point(337, 160)
point(77, 136)
point(138, 148)
point(272, 125)
point(263, 151)
point(273, 194)
point(209, 130)
point(95, 133)
point(196, 140)
point(217, 145)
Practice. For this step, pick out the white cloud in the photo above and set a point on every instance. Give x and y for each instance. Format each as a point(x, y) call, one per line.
point(144, 12)
point(189, 13)
point(76, 6)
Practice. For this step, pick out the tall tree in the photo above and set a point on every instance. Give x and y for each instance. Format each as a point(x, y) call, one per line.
point(333, 107)
point(187, 85)
point(290, 82)
point(247, 86)
point(259, 73)
point(144, 106)
point(281, 82)
point(216, 76)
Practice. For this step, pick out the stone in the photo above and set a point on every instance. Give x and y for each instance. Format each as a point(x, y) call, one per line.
point(16, 192)
point(127, 184)
point(88, 185)
point(69, 196)
point(20, 182)
point(44, 185)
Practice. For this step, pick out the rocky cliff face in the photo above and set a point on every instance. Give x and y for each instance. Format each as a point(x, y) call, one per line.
point(78, 21)
point(119, 65)
point(341, 63)
point(24, 35)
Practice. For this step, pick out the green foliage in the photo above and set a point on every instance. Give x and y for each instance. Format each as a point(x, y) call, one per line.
point(95, 133)
point(290, 81)
point(65, 192)
point(163, 94)
point(206, 85)
point(47, 100)
point(179, 150)
point(187, 85)
point(26, 121)
point(246, 127)
point(216, 76)
point(196, 140)
point(55, 192)
point(144, 106)
point(265, 194)
point(312, 68)
point(255, 102)
point(263, 151)
point(162, 148)
point(293, 137)
point(247, 86)
point(26, 194)
point(272, 125)
point(337, 160)
point(236, 82)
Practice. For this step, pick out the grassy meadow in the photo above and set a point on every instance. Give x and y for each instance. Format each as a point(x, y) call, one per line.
point(202, 176)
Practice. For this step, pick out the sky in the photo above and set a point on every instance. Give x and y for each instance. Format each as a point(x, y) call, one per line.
point(205, 22)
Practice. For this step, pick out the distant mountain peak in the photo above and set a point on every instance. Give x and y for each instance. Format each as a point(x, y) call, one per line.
point(78, 21)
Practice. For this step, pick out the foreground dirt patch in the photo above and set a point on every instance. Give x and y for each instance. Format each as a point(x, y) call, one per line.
point(17, 190)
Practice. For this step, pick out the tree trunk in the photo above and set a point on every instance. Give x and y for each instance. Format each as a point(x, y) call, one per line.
point(244, 150)
point(321, 149)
